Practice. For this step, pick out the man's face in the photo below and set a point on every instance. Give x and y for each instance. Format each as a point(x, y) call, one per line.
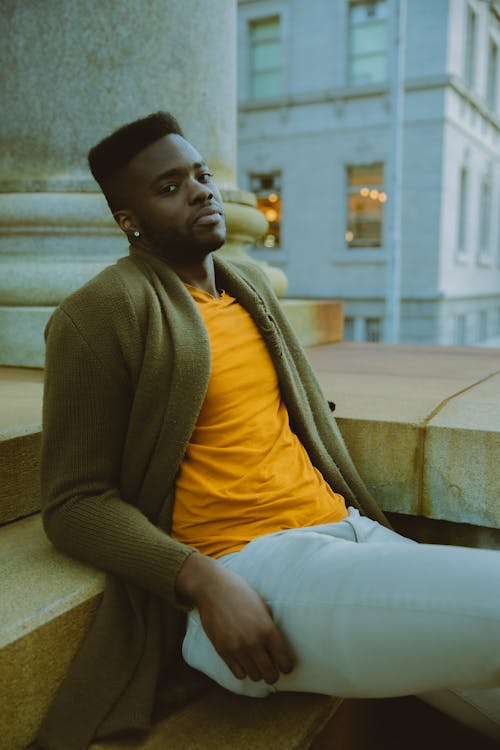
point(173, 197)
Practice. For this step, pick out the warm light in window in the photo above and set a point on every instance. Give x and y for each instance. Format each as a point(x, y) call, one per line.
point(382, 197)
point(365, 192)
point(349, 236)
point(374, 194)
point(272, 197)
point(271, 214)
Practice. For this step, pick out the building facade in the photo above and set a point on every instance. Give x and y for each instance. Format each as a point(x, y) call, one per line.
point(315, 118)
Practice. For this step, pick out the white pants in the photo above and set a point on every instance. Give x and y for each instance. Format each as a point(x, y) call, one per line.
point(369, 613)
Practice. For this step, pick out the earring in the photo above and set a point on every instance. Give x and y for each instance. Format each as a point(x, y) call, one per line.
point(137, 234)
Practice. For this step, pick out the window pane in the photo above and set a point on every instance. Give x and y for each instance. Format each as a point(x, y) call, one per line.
point(267, 84)
point(266, 56)
point(266, 77)
point(368, 42)
point(268, 28)
point(369, 39)
point(373, 329)
point(368, 69)
point(459, 333)
point(348, 329)
point(492, 76)
point(470, 47)
point(484, 221)
point(365, 205)
point(267, 188)
point(462, 212)
point(361, 12)
point(483, 325)
point(365, 174)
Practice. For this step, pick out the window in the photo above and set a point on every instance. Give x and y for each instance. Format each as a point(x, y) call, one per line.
point(368, 41)
point(483, 325)
point(459, 333)
point(470, 47)
point(348, 328)
point(491, 87)
point(373, 329)
point(485, 219)
point(365, 205)
point(267, 188)
point(462, 212)
point(266, 71)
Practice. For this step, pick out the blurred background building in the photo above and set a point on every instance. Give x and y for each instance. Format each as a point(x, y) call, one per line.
point(315, 122)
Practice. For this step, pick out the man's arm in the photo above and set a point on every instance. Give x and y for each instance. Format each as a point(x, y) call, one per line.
point(85, 428)
point(235, 618)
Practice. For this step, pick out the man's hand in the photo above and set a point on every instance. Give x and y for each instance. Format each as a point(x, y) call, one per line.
point(235, 618)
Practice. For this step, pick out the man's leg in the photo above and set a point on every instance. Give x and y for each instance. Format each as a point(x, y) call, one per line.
point(370, 614)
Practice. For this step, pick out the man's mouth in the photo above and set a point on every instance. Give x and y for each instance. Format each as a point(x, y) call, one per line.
point(208, 216)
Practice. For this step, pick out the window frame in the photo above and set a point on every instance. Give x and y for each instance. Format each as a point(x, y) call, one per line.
point(462, 213)
point(253, 22)
point(470, 45)
point(259, 246)
point(485, 214)
point(492, 75)
point(348, 191)
point(350, 80)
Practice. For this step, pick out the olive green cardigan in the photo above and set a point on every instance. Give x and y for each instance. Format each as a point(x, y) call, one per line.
point(127, 367)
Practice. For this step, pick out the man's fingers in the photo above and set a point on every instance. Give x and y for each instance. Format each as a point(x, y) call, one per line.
point(265, 668)
point(236, 668)
point(280, 653)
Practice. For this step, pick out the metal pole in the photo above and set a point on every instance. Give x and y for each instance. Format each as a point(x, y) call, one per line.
point(395, 177)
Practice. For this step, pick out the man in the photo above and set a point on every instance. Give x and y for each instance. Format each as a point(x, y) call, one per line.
point(188, 451)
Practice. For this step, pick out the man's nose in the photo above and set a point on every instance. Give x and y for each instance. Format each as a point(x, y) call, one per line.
point(198, 192)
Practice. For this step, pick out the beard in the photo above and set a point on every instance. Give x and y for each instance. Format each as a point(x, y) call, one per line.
point(181, 249)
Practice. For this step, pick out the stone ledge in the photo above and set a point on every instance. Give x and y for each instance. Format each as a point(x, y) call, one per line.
point(48, 601)
point(219, 720)
point(315, 321)
point(422, 424)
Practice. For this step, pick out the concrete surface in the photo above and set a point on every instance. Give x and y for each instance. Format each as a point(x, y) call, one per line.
point(219, 720)
point(422, 423)
point(48, 601)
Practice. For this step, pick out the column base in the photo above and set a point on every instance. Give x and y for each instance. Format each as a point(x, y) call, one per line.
point(22, 342)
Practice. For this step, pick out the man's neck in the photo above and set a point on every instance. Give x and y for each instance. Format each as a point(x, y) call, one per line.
point(201, 276)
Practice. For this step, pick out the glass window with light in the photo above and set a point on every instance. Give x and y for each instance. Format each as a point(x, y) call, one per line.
point(267, 188)
point(266, 66)
point(366, 199)
point(368, 41)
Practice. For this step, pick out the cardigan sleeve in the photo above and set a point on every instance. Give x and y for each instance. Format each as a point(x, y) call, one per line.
point(85, 419)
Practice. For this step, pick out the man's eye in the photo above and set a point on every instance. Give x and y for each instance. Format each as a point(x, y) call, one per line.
point(206, 177)
point(167, 189)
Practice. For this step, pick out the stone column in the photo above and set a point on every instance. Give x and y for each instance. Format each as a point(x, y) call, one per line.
point(74, 71)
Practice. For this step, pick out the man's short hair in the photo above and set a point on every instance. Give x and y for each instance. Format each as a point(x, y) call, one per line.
point(119, 148)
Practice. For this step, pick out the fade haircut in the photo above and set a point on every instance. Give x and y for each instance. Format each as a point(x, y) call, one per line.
point(113, 153)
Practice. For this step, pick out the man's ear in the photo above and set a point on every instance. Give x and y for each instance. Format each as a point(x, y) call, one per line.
point(126, 221)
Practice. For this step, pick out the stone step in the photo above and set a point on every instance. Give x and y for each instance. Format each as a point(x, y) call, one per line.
point(48, 601)
point(19, 472)
point(20, 417)
point(219, 720)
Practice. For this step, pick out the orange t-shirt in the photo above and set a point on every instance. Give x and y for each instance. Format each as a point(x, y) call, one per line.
point(244, 473)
